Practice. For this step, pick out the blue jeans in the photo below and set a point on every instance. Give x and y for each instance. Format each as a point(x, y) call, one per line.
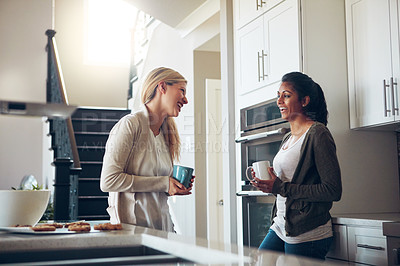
point(315, 249)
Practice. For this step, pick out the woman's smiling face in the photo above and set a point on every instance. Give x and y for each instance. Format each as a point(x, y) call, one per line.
point(288, 102)
point(176, 98)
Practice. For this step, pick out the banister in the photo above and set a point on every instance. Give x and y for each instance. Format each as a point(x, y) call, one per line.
point(54, 58)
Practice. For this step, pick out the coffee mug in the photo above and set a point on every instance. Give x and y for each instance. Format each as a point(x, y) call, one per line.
point(183, 174)
point(261, 170)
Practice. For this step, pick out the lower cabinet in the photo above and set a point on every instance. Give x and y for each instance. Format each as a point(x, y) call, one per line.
point(367, 245)
point(359, 244)
point(339, 248)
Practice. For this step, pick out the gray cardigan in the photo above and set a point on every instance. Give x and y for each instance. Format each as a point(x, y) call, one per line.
point(315, 185)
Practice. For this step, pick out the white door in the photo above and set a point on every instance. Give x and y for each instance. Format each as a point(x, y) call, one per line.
point(369, 61)
point(215, 230)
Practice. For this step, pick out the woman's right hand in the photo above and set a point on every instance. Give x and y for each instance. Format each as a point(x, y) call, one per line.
point(264, 185)
point(176, 188)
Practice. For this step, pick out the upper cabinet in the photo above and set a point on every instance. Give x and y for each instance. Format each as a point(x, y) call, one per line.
point(268, 46)
point(373, 61)
point(247, 10)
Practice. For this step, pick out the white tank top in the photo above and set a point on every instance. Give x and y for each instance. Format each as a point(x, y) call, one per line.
point(285, 163)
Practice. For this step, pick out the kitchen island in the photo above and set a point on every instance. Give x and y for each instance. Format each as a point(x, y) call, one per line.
point(133, 245)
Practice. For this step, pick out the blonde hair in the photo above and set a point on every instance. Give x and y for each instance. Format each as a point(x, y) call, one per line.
point(149, 90)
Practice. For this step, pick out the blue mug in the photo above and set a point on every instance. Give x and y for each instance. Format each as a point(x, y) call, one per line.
point(183, 174)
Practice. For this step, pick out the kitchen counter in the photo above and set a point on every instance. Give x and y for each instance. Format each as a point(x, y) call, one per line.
point(365, 219)
point(190, 250)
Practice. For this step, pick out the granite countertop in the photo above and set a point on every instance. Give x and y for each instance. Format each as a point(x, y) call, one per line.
point(195, 250)
point(365, 219)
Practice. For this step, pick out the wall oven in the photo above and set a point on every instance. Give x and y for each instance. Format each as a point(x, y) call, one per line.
point(262, 130)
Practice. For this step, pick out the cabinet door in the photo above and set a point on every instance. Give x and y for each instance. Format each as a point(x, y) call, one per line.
point(248, 10)
point(281, 41)
point(369, 61)
point(249, 48)
point(367, 245)
point(338, 249)
point(395, 32)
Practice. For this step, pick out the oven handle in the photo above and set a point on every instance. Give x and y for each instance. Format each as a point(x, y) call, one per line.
point(262, 135)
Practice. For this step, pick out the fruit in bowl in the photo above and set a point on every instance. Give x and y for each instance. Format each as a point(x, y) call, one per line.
point(22, 207)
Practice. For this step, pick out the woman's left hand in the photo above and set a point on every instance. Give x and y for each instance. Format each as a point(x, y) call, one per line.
point(265, 185)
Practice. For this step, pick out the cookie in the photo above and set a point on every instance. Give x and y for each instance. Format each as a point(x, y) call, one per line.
point(56, 225)
point(79, 228)
point(20, 225)
point(43, 228)
point(108, 226)
point(76, 223)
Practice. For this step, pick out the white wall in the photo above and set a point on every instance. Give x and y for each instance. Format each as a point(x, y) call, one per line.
point(23, 70)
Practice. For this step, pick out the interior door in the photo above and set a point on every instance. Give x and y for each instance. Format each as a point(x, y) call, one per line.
point(215, 229)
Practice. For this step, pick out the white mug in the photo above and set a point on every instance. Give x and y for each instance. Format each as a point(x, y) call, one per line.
point(261, 170)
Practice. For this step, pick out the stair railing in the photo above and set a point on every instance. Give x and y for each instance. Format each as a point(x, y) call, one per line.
point(63, 141)
point(56, 93)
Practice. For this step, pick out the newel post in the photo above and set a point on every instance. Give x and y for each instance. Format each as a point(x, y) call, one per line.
point(62, 187)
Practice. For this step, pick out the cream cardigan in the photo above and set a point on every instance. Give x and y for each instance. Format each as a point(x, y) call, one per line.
point(136, 170)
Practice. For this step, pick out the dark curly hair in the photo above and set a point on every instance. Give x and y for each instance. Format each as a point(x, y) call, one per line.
point(305, 86)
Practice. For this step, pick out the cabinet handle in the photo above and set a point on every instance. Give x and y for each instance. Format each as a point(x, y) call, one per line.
point(384, 97)
point(370, 247)
point(259, 5)
point(263, 65)
point(392, 84)
point(258, 66)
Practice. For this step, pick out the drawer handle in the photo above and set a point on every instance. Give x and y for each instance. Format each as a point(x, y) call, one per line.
point(370, 247)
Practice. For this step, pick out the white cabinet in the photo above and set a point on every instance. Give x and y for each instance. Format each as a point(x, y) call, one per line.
point(359, 238)
point(338, 248)
point(268, 47)
point(247, 10)
point(359, 244)
point(373, 61)
point(367, 245)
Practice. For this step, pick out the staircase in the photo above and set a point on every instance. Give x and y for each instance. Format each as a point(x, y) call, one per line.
point(92, 127)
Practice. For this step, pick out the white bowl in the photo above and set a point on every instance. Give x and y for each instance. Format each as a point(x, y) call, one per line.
point(23, 207)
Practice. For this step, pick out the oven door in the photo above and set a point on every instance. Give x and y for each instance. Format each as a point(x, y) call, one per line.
point(260, 146)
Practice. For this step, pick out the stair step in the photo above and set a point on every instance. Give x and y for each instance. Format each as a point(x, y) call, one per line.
point(93, 125)
point(91, 139)
point(100, 113)
point(91, 169)
point(92, 206)
point(94, 217)
point(90, 187)
point(91, 153)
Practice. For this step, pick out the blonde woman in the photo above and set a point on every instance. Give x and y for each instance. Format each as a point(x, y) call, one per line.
point(140, 151)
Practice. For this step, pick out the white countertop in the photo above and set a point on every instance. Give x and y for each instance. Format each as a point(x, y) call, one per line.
point(200, 251)
point(365, 219)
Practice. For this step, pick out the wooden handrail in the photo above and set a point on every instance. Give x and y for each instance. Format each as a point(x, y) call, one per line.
point(52, 46)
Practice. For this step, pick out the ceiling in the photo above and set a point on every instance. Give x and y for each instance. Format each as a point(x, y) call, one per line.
point(170, 12)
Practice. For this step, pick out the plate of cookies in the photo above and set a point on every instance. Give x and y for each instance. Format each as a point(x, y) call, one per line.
point(61, 228)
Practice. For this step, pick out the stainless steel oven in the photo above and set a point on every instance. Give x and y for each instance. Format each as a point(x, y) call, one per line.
point(262, 130)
